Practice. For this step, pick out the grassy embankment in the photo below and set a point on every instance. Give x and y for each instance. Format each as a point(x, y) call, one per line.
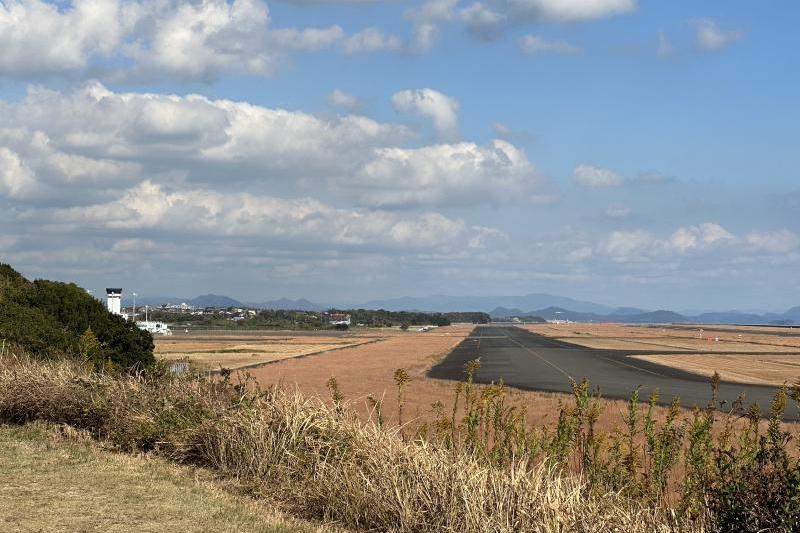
point(57, 479)
point(484, 471)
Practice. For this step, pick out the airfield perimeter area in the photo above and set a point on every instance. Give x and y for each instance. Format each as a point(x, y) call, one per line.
point(363, 362)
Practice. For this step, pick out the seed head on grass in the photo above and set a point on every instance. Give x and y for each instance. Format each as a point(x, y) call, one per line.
point(401, 379)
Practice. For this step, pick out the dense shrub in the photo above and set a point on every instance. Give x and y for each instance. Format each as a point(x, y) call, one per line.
point(47, 319)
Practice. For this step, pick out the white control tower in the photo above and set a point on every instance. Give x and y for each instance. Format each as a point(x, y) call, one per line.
point(114, 299)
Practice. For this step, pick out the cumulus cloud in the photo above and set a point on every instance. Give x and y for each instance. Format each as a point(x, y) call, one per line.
point(702, 238)
point(16, 178)
point(703, 235)
point(149, 206)
point(596, 177)
point(157, 38)
point(441, 109)
point(166, 132)
point(89, 145)
point(781, 241)
point(453, 173)
point(339, 98)
point(534, 44)
point(371, 40)
point(709, 36)
point(38, 37)
point(307, 38)
point(623, 244)
point(425, 21)
point(482, 21)
point(571, 10)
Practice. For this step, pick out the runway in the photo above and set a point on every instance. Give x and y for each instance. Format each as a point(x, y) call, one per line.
point(533, 362)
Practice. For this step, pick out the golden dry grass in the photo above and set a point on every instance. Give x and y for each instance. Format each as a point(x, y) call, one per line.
point(57, 481)
point(624, 337)
point(318, 460)
point(740, 368)
point(239, 352)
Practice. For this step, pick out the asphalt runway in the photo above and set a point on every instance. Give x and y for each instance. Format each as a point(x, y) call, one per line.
point(533, 362)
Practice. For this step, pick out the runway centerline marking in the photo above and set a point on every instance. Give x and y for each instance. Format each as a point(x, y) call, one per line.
point(634, 367)
point(542, 358)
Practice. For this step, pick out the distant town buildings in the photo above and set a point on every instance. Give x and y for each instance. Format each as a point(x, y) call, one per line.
point(338, 319)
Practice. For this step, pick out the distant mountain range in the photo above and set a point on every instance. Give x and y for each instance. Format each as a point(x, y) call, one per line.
point(442, 303)
point(216, 300)
point(546, 306)
point(792, 316)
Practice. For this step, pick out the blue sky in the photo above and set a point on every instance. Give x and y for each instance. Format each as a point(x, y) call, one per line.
point(631, 152)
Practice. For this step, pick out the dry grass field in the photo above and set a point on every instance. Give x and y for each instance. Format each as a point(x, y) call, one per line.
point(751, 354)
point(365, 371)
point(239, 352)
point(739, 368)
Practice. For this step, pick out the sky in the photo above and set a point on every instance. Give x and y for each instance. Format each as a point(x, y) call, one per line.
point(629, 152)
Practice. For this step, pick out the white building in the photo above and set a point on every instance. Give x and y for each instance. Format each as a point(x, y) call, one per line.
point(114, 301)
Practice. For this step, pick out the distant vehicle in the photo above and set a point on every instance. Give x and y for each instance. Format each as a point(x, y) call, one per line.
point(155, 328)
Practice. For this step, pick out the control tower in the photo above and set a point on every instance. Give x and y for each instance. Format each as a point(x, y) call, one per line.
point(114, 301)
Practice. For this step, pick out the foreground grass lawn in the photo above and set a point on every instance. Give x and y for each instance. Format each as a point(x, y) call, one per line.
point(49, 482)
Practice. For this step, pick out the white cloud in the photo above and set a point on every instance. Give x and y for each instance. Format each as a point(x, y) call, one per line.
point(709, 36)
point(200, 40)
point(700, 238)
point(88, 145)
point(202, 212)
point(571, 10)
point(426, 19)
point(595, 177)
point(145, 39)
point(38, 37)
point(460, 173)
point(482, 21)
point(307, 38)
point(622, 244)
point(440, 108)
point(533, 44)
point(16, 178)
point(339, 98)
point(172, 132)
point(703, 235)
point(501, 130)
point(778, 242)
point(371, 40)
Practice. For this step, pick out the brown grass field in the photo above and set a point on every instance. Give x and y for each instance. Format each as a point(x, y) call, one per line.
point(236, 352)
point(753, 354)
point(367, 371)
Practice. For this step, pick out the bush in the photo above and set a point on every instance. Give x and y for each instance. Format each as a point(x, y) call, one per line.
point(47, 319)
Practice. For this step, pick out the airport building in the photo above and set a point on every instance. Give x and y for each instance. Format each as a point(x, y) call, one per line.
point(114, 301)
